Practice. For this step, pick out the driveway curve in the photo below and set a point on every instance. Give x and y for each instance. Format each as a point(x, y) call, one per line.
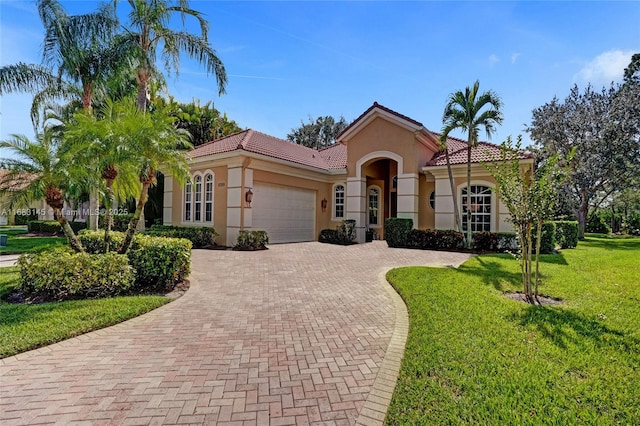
point(303, 333)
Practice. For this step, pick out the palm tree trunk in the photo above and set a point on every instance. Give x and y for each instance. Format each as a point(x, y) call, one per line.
point(108, 217)
point(133, 223)
point(143, 88)
point(456, 211)
point(72, 238)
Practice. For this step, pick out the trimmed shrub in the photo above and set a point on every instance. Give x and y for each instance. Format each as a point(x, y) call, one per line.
point(59, 274)
point(199, 236)
point(120, 221)
point(435, 239)
point(160, 263)
point(396, 231)
point(24, 216)
point(53, 226)
point(251, 240)
point(548, 238)
point(566, 233)
point(344, 234)
point(494, 241)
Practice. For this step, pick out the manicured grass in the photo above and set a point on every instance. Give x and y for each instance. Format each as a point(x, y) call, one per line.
point(25, 327)
point(17, 244)
point(475, 357)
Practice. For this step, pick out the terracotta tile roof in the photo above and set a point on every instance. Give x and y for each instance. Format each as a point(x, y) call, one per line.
point(260, 143)
point(335, 156)
point(384, 108)
point(15, 182)
point(457, 148)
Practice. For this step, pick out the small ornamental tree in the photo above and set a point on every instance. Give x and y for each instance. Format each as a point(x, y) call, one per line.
point(530, 197)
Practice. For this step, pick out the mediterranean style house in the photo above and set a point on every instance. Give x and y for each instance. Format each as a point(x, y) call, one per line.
point(383, 165)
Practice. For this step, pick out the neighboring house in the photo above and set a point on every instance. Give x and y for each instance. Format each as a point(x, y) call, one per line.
point(383, 165)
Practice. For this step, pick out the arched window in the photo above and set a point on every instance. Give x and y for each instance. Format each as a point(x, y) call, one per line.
point(432, 200)
point(208, 198)
point(187, 201)
point(197, 216)
point(338, 201)
point(373, 204)
point(480, 205)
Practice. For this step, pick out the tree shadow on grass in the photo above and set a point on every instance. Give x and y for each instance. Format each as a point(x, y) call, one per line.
point(611, 244)
point(492, 272)
point(567, 328)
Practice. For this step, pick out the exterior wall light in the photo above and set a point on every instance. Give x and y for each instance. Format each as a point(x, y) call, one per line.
point(248, 197)
point(323, 204)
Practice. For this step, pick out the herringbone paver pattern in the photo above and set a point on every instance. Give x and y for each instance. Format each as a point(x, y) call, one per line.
point(293, 335)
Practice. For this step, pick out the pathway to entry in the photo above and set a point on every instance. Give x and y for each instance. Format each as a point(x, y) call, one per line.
point(305, 333)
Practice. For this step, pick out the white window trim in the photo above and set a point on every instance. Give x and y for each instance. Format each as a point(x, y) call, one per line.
point(380, 207)
point(333, 202)
point(203, 193)
point(494, 200)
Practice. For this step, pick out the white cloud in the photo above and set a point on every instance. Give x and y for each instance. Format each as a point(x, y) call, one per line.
point(606, 67)
point(514, 57)
point(493, 59)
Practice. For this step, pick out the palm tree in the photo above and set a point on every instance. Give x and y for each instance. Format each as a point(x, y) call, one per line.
point(148, 28)
point(41, 168)
point(468, 111)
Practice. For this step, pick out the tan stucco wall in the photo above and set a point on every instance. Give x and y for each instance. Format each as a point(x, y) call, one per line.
point(426, 216)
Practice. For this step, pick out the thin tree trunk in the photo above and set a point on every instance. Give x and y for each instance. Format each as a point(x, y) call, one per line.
point(133, 223)
point(72, 238)
point(529, 245)
point(538, 244)
point(456, 211)
point(582, 214)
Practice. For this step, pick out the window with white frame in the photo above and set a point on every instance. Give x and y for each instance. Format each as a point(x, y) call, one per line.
point(338, 201)
point(198, 199)
point(480, 206)
point(197, 210)
point(373, 206)
point(187, 201)
point(208, 197)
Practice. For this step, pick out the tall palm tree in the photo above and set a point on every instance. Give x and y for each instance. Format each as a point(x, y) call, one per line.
point(148, 28)
point(469, 111)
point(41, 169)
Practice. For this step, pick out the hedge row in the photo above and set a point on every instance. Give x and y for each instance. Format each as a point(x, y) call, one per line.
point(434, 239)
point(499, 242)
point(59, 274)
point(120, 221)
point(199, 236)
point(159, 262)
point(344, 234)
point(53, 226)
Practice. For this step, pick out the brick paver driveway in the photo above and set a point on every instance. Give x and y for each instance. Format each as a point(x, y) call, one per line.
point(298, 334)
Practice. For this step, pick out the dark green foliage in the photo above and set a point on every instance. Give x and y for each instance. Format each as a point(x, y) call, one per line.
point(199, 236)
point(547, 240)
point(23, 217)
point(52, 226)
point(120, 221)
point(396, 231)
point(597, 224)
point(633, 225)
point(251, 240)
point(496, 242)
point(344, 234)
point(566, 233)
point(434, 239)
point(160, 263)
point(59, 274)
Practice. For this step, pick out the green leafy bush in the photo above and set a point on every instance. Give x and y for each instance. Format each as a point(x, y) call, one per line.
point(547, 240)
point(435, 239)
point(159, 262)
point(396, 231)
point(120, 221)
point(199, 236)
point(53, 226)
point(59, 274)
point(494, 242)
point(566, 233)
point(251, 240)
point(344, 234)
point(24, 216)
point(597, 224)
point(633, 224)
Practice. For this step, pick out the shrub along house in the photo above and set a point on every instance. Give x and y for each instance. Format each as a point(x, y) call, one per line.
point(383, 165)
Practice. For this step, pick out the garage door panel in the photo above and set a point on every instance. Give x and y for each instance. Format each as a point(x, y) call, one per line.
point(286, 213)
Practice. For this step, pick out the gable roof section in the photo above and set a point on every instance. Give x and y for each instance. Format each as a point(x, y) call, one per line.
point(260, 143)
point(377, 110)
point(457, 148)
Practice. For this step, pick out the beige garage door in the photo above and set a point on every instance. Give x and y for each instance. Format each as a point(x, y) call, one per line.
point(286, 213)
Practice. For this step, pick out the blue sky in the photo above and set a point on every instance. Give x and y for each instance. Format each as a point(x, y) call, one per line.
point(287, 60)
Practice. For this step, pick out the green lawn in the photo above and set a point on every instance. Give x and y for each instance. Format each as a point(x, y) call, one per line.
point(475, 357)
point(18, 245)
point(25, 327)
